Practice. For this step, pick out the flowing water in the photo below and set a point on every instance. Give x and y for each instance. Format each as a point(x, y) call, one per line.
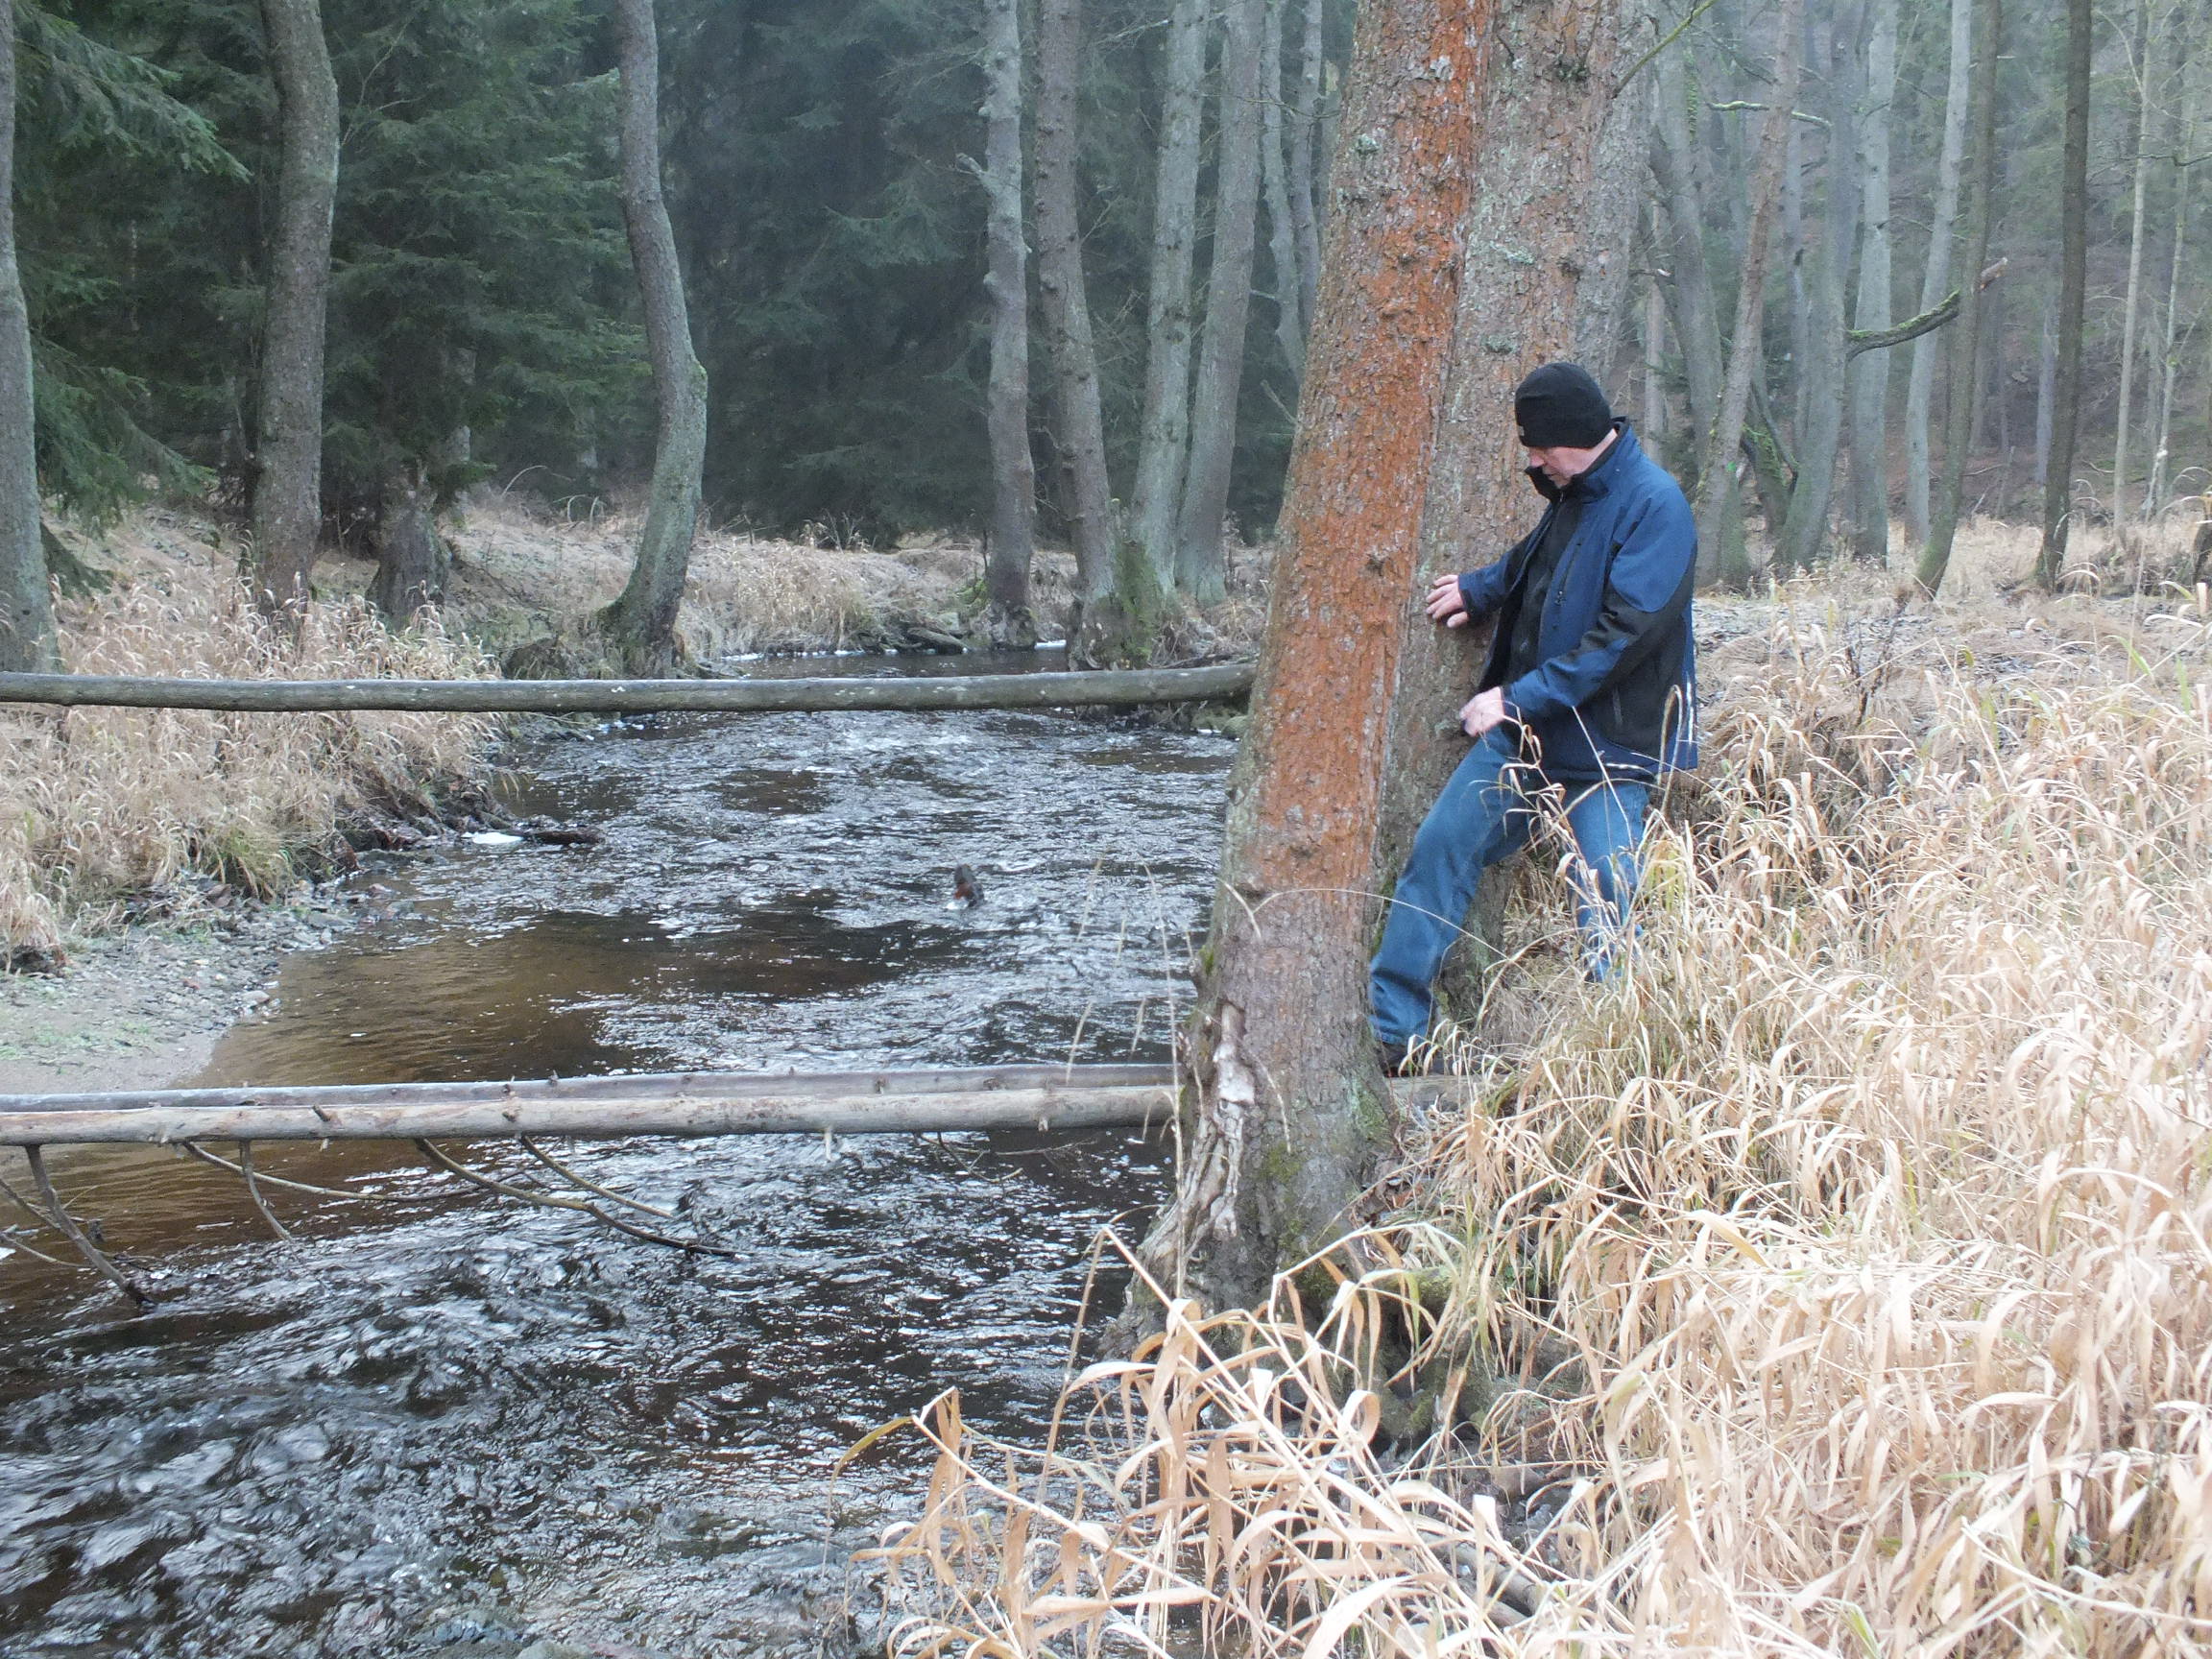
point(440, 1422)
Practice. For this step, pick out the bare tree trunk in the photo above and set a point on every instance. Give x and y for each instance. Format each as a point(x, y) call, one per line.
point(412, 559)
point(1718, 498)
point(2146, 45)
point(2073, 292)
point(26, 603)
point(1200, 569)
point(1870, 372)
point(1966, 333)
point(1282, 237)
point(2046, 396)
point(1405, 449)
point(1066, 299)
point(1936, 276)
point(1821, 376)
point(1793, 272)
point(2184, 152)
point(640, 625)
point(1698, 323)
point(1006, 410)
point(1655, 423)
point(288, 457)
point(1305, 132)
point(1164, 442)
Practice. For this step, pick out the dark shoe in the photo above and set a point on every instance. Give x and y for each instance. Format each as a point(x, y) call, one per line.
point(1397, 1058)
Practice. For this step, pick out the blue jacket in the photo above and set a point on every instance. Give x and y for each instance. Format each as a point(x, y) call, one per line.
point(1616, 688)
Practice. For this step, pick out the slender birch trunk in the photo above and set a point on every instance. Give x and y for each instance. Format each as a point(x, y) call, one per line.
point(1966, 332)
point(2146, 48)
point(2046, 395)
point(2073, 292)
point(2184, 150)
point(1935, 275)
point(1821, 375)
point(1654, 422)
point(1305, 132)
point(287, 511)
point(639, 627)
point(1870, 372)
point(1164, 440)
point(1065, 296)
point(1200, 570)
point(1008, 620)
point(1275, 187)
point(1719, 504)
point(26, 601)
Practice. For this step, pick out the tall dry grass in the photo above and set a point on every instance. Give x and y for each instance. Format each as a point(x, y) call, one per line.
point(99, 805)
point(1844, 1273)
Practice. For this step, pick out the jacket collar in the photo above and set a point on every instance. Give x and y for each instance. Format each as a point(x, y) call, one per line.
point(1596, 482)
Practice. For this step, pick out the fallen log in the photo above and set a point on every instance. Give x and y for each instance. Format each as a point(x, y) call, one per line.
point(1119, 688)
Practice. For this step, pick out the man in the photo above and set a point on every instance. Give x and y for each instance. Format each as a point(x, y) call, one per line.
point(1585, 699)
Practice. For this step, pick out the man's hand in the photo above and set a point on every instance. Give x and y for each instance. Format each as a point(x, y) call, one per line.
point(1486, 710)
point(1447, 604)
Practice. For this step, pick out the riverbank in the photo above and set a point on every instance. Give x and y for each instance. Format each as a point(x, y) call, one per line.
point(1834, 1281)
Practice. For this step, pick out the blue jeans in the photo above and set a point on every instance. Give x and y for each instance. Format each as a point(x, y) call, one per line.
point(1486, 813)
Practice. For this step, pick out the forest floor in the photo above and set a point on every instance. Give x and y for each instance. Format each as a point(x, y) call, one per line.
point(1834, 1281)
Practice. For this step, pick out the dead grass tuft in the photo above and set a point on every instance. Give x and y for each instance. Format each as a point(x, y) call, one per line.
point(1844, 1271)
point(100, 804)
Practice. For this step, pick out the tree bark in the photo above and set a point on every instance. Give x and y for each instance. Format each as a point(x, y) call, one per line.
point(1404, 459)
point(1164, 442)
point(1698, 323)
point(1006, 413)
point(1936, 276)
point(1821, 375)
point(1719, 504)
point(1200, 567)
point(26, 602)
point(2146, 48)
point(2073, 292)
point(1871, 370)
point(1966, 334)
point(1282, 238)
point(412, 559)
point(640, 626)
point(1065, 296)
point(1305, 134)
point(287, 510)
point(2184, 152)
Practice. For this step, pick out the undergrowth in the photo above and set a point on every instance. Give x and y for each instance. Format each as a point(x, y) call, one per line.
point(1841, 1276)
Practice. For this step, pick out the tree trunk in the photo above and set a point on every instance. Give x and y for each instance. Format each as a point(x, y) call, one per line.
point(2073, 291)
point(1655, 423)
point(640, 625)
point(1793, 272)
point(1719, 504)
point(2046, 395)
point(1870, 372)
point(1282, 237)
point(2184, 151)
point(2146, 48)
point(288, 458)
point(1164, 440)
point(1404, 459)
point(1966, 333)
point(1200, 567)
point(1006, 412)
point(26, 603)
point(412, 559)
point(1304, 133)
point(1698, 323)
point(1066, 300)
point(1936, 276)
point(1821, 376)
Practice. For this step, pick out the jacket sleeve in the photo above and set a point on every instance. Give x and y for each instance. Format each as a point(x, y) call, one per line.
point(1485, 590)
point(1643, 590)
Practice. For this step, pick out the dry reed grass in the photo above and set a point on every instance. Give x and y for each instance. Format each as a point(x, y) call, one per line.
point(1844, 1272)
point(98, 804)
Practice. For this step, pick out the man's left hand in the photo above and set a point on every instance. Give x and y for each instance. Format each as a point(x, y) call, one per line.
point(1486, 709)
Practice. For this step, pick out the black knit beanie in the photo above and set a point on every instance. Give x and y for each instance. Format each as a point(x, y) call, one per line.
point(1559, 406)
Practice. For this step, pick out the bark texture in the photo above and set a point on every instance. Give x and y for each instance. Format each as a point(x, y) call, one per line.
point(1275, 183)
point(288, 456)
point(26, 605)
point(2073, 292)
point(1966, 336)
point(1006, 411)
point(1200, 569)
point(1871, 370)
point(412, 559)
point(1164, 442)
point(640, 625)
point(1305, 134)
point(2147, 49)
point(1066, 302)
point(1936, 276)
point(1444, 282)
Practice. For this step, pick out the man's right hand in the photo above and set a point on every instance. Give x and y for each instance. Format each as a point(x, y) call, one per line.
point(1447, 604)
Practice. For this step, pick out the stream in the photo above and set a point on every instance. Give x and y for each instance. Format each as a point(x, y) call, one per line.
point(441, 1421)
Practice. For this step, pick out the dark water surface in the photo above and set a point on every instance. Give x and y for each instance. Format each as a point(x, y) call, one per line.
point(449, 1424)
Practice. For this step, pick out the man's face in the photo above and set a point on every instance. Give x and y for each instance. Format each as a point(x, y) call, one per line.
point(1560, 464)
